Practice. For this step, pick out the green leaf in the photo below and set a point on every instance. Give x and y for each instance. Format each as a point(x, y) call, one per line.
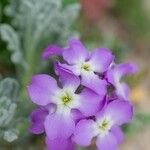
point(8, 97)
point(10, 36)
point(11, 135)
point(9, 87)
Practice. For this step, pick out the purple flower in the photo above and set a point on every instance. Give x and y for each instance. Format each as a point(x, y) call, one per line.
point(87, 101)
point(88, 65)
point(105, 127)
point(114, 75)
point(64, 99)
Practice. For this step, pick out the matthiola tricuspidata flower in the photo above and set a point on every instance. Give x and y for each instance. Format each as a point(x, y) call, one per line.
point(114, 75)
point(78, 106)
point(81, 62)
point(105, 127)
point(62, 100)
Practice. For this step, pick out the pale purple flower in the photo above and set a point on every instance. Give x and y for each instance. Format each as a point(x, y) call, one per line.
point(88, 101)
point(105, 127)
point(115, 74)
point(81, 62)
point(44, 91)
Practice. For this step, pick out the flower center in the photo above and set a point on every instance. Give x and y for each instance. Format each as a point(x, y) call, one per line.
point(85, 67)
point(104, 125)
point(66, 99)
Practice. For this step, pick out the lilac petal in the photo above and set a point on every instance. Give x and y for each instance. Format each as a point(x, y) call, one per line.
point(110, 76)
point(69, 68)
point(84, 132)
point(101, 59)
point(41, 88)
point(67, 78)
point(93, 82)
point(77, 115)
point(114, 74)
point(118, 133)
point(127, 68)
point(59, 144)
point(51, 50)
point(37, 120)
point(122, 90)
point(90, 102)
point(108, 142)
point(59, 126)
point(75, 53)
point(62, 67)
point(120, 111)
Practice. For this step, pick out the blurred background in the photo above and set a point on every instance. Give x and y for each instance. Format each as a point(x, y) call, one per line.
point(28, 26)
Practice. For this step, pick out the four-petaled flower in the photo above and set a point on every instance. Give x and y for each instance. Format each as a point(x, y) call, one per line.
point(114, 75)
point(88, 65)
point(105, 127)
point(62, 100)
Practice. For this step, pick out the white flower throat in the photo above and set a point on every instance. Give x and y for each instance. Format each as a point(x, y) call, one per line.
point(86, 67)
point(103, 126)
point(83, 68)
point(66, 99)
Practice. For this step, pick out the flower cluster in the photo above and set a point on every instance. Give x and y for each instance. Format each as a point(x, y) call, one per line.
point(87, 101)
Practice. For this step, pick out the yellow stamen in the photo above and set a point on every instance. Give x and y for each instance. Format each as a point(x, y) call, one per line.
point(66, 99)
point(104, 125)
point(86, 67)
